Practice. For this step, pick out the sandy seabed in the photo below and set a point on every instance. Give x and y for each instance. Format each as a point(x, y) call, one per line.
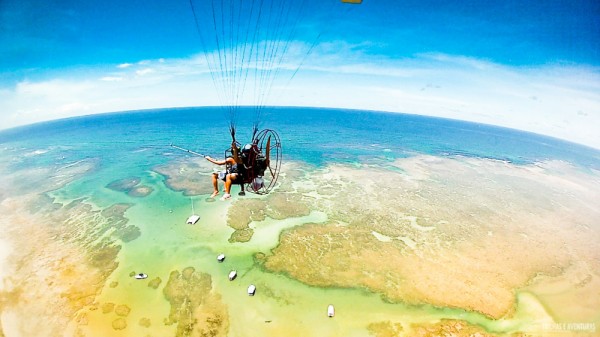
point(432, 245)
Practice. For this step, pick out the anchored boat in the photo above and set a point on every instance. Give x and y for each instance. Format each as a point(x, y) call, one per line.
point(141, 276)
point(193, 218)
point(330, 311)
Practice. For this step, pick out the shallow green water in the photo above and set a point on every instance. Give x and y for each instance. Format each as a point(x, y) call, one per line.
point(281, 304)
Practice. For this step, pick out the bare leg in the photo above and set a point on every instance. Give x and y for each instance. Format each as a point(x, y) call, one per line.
point(228, 181)
point(215, 180)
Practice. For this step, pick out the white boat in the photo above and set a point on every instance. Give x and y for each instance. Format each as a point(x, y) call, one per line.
point(193, 219)
point(232, 275)
point(221, 257)
point(251, 290)
point(330, 311)
point(141, 276)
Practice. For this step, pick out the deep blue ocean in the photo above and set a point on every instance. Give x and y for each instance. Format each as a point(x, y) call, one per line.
point(317, 136)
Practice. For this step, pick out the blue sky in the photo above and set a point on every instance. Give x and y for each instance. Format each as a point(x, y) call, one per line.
point(456, 59)
point(64, 33)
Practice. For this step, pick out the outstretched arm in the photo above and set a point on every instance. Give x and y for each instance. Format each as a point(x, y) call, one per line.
point(214, 161)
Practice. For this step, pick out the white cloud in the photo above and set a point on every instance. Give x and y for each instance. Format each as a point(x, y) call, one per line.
point(111, 78)
point(144, 71)
point(556, 100)
point(73, 107)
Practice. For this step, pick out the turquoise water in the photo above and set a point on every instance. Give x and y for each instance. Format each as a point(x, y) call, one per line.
point(139, 140)
point(131, 144)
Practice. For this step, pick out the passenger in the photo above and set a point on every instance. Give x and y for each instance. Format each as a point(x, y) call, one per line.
point(231, 175)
